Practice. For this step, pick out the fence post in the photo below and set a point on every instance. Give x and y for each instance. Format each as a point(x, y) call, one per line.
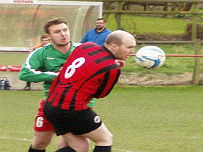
point(118, 16)
point(118, 21)
point(196, 72)
point(194, 26)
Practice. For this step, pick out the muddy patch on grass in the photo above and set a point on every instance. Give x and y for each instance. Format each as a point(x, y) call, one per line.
point(157, 79)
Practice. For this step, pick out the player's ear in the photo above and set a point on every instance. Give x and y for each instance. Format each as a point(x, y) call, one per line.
point(114, 46)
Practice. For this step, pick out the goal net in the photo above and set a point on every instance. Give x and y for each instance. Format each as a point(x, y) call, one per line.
point(21, 21)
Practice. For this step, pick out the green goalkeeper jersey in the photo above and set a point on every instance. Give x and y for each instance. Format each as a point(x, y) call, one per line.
point(43, 65)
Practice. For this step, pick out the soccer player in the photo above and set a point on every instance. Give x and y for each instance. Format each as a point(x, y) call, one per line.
point(89, 72)
point(44, 40)
point(43, 65)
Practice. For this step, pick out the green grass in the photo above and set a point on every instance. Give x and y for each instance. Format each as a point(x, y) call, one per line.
point(12, 58)
point(142, 119)
point(147, 24)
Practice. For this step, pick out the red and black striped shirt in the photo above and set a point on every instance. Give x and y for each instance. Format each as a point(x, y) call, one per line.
point(89, 72)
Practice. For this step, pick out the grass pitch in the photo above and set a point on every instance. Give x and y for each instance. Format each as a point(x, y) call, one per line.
point(142, 119)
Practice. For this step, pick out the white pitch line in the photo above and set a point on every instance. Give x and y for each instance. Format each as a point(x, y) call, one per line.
point(11, 138)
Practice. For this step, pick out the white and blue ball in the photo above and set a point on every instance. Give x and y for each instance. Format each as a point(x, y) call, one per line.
point(150, 57)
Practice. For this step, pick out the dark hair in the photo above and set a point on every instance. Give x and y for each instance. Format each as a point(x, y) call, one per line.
point(51, 22)
point(101, 19)
point(44, 36)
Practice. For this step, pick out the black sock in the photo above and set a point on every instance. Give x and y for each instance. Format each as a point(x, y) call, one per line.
point(35, 150)
point(66, 149)
point(28, 84)
point(102, 149)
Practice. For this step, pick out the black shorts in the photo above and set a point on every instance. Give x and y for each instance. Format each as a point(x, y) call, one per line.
point(77, 122)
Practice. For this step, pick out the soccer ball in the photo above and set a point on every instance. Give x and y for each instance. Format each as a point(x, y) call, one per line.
point(150, 57)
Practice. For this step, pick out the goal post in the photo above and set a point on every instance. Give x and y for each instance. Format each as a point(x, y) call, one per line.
point(21, 21)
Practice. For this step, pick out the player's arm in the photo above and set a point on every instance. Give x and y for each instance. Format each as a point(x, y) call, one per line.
point(30, 69)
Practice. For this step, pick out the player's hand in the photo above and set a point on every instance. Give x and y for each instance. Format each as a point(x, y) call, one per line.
point(120, 63)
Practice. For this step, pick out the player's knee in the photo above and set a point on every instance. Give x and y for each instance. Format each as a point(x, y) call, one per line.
point(61, 143)
point(106, 140)
point(42, 139)
point(40, 145)
point(83, 146)
point(109, 139)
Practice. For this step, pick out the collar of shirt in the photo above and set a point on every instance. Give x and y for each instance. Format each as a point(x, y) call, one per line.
point(101, 31)
point(110, 53)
